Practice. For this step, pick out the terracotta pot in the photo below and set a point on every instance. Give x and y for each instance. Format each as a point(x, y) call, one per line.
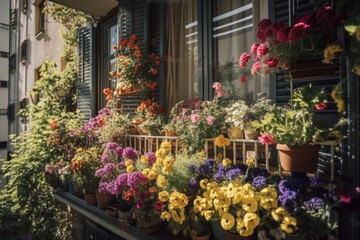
point(206, 237)
point(103, 199)
point(137, 121)
point(149, 226)
point(90, 197)
point(236, 236)
point(251, 135)
point(235, 133)
point(134, 131)
point(298, 158)
point(111, 211)
point(170, 133)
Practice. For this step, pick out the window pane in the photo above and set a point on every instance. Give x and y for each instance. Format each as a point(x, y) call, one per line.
point(232, 35)
point(112, 39)
point(182, 51)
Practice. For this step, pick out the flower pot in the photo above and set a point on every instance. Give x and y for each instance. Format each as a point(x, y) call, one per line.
point(312, 69)
point(236, 236)
point(134, 131)
point(170, 133)
point(206, 237)
point(251, 135)
point(217, 229)
point(298, 158)
point(111, 211)
point(90, 197)
point(103, 199)
point(235, 133)
point(149, 226)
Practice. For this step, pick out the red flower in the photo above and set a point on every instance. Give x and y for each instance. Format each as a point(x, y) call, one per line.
point(266, 138)
point(244, 59)
point(264, 24)
point(256, 67)
point(320, 106)
point(282, 34)
point(345, 199)
point(243, 79)
point(298, 31)
point(159, 205)
point(272, 62)
point(254, 48)
point(262, 50)
point(276, 27)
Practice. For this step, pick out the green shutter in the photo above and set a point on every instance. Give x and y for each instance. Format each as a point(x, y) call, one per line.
point(86, 71)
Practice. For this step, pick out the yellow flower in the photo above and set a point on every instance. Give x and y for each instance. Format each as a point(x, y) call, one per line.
point(160, 153)
point(163, 196)
point(231, 190)
point(79, 150)
point(227, 221)
point(165, 216)
point(268, 192)
point(159, 161)
point(165, 171)
point(178, 217)
point(249, 204)
point(238, 197)
point(221, 141)
point(250, 162)
point(179, 199)
point(208, 214)
point(130, 168)
point(197, 204)
point(212, 186)
point(268, 203)
point(168, 162)
point(226, 162)
point(203, 183)
point(128, 162)
point(144, 159)
point(219, 156)
point(222, 210)
point(288, 225)
point(145, 172)
point(154, 189)
point(161, 181)
point(329, 53)
point(152, 175)
point(166, 146)
point(340, 104)
point(356, 70)
point(251, 220)
point(279, 214)
point(201, 155)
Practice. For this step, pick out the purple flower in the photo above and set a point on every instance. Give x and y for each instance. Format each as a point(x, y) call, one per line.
point(204, 170)
point(314, 181)
point(120, 182)
point(193, 185)
point(259, 182)
point(192, 168)
point(119, 151)
point(110, 188)
point(102, 186)
point(130, 153)
point(221, 167)
point(219, 176)
point(151, 157)
point(233, 174)
point(100, 172)
point(314, 203)
point(210, 162)
point(104, 158)
point(111, 145)
point(135, 179)
point(288, 200)
point(109, 168)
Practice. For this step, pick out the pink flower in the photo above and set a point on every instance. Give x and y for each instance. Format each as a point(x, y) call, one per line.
point(262, 50)
point(320, 106)
point(276, 27)
point(308, 19)
point(195, 118)
point(298, 31)
point(210, 120)
point(219, 93)
point(244, 59)
point(272, 62)
point(357, 189)
point(266, 138)
point(345, 199)
point(264, 24)
point(254, 48)
point(216, 85)
point(282, 34)
point(243, 79)
point(256, 67)
point(263, 34)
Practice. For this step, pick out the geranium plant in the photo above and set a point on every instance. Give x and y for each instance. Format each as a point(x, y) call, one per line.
point(281, 45)
point(137, 62)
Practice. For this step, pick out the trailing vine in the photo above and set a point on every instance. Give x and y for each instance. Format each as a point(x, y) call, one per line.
point(28, 209)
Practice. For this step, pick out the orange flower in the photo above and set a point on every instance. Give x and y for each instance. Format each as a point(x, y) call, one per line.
point(119, 75)
point(133, 37)
point(101, 121)
point(137, 53)
point(154, 71)
point(123, 42)
point(53, 124)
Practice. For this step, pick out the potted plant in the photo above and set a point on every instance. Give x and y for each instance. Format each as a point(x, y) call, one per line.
point(115, 128)
point(295, 129)
point(282, 46)
point(236, 117)
point(152, 125)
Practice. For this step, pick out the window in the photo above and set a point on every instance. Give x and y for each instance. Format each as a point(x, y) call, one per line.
point(12, 63)
point(3, 84)
point(13, 18)
point(4, 54)
point(39, 18)
point(3, 145)
point(24, 5)
point(23, 51)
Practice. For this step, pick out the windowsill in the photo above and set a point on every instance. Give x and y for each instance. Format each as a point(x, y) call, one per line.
point(112, 224)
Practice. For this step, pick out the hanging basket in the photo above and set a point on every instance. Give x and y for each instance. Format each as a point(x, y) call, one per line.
point(312, 69)
point(301, 159)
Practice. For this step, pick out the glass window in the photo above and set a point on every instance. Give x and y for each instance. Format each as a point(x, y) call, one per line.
point(182, 73)
point(232, 34)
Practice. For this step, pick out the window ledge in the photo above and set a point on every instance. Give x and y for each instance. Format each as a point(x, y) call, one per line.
point(39, 35)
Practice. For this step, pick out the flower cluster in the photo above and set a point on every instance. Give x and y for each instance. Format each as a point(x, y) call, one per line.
point(148, 108)
point(137, 62)
point(281, 45)
point(237, 113)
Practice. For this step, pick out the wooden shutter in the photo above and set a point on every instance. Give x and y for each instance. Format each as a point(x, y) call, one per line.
point(86, 74)
point(280, 86)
